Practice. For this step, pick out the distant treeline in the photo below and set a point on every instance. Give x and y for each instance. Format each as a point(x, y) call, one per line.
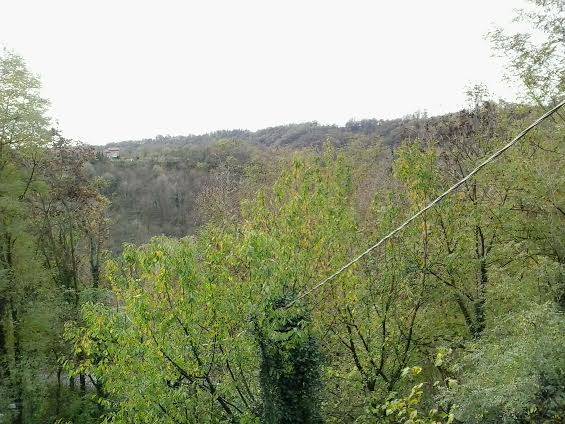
point(162, 186)
point(295, 136)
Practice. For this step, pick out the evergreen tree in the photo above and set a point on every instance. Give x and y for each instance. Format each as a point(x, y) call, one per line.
point(290, 365)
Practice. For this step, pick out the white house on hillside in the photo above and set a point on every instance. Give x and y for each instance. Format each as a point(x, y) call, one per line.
point(112, 152)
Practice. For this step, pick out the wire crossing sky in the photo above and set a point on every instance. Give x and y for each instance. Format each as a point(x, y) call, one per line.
point(119, 70)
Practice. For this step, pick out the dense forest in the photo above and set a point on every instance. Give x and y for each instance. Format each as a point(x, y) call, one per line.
point(173, 284)
point(158, 186)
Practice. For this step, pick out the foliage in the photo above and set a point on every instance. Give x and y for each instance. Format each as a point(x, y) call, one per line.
point(407, 409)
point(221, 325)
point(516, 370)
point(290, 365)
point(537, 54)
point(52, 229)
point(192, 303)
point(200, 323)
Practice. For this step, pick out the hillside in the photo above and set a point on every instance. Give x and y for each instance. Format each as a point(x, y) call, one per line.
point(404, 271)
point(294, 136)
point(162, 186)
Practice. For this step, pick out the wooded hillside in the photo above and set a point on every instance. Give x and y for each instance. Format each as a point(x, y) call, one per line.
point(187, 281)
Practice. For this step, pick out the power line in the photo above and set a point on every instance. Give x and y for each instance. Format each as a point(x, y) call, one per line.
point(431, 204)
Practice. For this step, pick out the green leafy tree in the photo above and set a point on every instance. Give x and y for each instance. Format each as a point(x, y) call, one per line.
point(49, 209)
point(290, 365)
point(537, 54)
point(515, 374)
point(180, 344)
point(24, 130)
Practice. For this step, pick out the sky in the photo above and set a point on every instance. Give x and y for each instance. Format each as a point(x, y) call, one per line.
point(124, 70)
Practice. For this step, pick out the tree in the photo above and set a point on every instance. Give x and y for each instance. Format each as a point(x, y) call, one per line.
point(24, 130)
point(184, 312)
point(49, 209)
point(290, 365)
point(537, 57)
point(515, 374)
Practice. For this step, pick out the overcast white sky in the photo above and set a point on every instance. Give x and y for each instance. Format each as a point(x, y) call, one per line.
point(117, 70)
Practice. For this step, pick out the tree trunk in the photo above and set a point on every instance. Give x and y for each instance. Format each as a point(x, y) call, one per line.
point(82, 383)
point(482, 283)
point(17, 371)
point(58, 393)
